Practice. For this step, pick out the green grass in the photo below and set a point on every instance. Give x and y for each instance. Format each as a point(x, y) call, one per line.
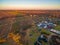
point(34, 38)
point(44, 31)
point(57, 28)
point(35, 35)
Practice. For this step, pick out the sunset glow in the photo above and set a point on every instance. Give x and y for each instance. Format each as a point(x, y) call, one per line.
point(29, 4)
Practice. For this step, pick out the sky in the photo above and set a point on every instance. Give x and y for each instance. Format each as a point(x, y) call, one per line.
point(29, 4)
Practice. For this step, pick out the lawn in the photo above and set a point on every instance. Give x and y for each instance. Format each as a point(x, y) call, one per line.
point(45, 31)
point(35, 34)
point(57, 27)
